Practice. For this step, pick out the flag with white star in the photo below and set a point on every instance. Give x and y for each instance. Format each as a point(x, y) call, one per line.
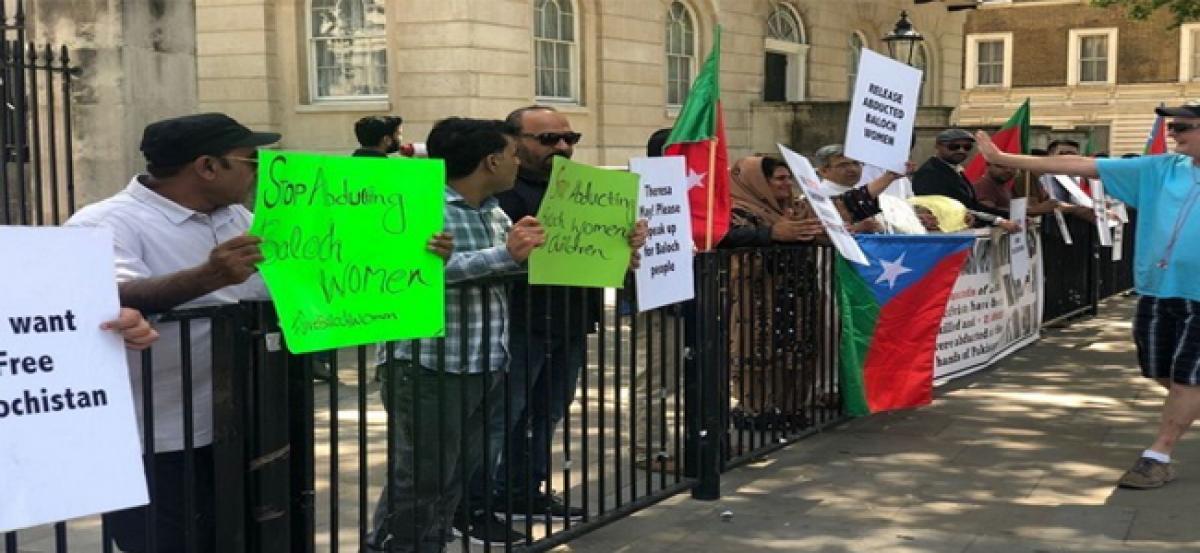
point(891, 311)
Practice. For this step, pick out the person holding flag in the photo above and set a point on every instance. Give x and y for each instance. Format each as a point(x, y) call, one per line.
point(1165, 189)
point(699, 136)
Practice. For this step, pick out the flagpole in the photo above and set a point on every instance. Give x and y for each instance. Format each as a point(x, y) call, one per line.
point(711, 186)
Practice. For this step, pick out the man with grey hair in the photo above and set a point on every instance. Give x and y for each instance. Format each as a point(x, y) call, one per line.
point(942, 175)
point(839, 174)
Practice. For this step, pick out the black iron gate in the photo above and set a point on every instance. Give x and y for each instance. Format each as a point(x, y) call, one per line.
point(37, 173)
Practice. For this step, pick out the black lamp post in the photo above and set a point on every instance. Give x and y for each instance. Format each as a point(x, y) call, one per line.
point(902, 41)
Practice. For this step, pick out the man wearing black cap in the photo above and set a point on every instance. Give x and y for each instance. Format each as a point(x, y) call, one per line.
point(179, 238)
point(942, 175)
point(1165, 189)
point(379, 135)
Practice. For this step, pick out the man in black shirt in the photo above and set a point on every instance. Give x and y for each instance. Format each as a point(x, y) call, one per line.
point(942, 175)
point(379, 135)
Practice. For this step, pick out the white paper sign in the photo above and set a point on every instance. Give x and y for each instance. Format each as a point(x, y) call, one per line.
point(882, 111)
point(1018, 246)
point(1118, 239)
point(834, 225)
point(69, 442)
point(665, 274)
point(1100, 208)
point(1071, 185)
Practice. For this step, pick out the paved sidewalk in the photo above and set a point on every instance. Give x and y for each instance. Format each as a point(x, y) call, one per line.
point(1021, 458)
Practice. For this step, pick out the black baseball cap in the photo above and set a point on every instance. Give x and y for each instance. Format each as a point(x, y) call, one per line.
point(178, 140)
point(1190, 109)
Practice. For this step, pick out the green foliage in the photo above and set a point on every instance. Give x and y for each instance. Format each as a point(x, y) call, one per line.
point(1182, 10)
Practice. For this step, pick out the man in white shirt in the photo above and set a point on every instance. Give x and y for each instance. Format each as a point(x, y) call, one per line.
point(179, 235)
point(839, 174)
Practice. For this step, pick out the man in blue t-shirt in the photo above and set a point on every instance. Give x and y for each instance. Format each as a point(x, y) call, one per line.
point(1165, 190)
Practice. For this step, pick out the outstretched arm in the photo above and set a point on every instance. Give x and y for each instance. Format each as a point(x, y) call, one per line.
point(1054, 165)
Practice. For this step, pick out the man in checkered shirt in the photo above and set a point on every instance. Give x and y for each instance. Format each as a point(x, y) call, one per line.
point(432, 409)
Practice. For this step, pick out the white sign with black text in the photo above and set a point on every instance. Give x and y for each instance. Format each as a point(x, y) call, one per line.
point(665, 274)
point(69, 444)
point(834, 225)
point(882, 111)
point(1019, 248)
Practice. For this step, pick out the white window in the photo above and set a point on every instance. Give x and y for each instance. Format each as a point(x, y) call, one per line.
point(1189, 52)
point(347, 49)
point(921, 61)
point(786, 59)
point(989, 60)
point(681, 52)
point(1092, 56)
point(857, 43)
point(556, 58)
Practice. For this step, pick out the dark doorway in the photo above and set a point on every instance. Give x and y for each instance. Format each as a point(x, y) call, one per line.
point(775, 67)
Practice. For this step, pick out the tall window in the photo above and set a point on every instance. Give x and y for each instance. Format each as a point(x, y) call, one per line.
point(785, 60)
point(681, 52)
point(1189, 52)
point(554, 44)
point(1092, 56)
point(989, 63)
point(856, 45)
point(1194, 54)
point(347, 49)
point(920, 60)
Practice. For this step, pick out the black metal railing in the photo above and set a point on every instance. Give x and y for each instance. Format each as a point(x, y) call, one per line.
point(1079, 275)
point(37, 171)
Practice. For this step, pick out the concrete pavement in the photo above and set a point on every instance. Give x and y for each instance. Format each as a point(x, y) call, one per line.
point(1020, 458)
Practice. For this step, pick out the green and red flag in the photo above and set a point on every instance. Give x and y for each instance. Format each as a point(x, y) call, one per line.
point(1156, 143)
point(891, 312)
point(1013, 138)
point(699, 136)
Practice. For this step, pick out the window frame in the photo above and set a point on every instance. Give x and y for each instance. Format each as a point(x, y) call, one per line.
point(971, 71)
point(693, 65)
point(1189, 70)
point(314, 73)
point(574, 73)
point(1074, 41)
point(795, 87)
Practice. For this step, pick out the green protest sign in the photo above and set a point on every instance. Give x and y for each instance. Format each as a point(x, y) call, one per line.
point(588, 214)
point(345, 241)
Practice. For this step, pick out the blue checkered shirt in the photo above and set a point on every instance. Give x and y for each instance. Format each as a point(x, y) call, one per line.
point(480, 252)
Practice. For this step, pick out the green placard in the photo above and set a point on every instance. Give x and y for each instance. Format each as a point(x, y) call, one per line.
point(588, 214)
point(345, 241)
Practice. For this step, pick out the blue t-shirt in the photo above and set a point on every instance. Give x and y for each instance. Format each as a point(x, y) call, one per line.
point(1161, 188)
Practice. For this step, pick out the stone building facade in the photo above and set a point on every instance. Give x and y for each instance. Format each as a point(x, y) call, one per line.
point(1085, 69)
point(617, 68)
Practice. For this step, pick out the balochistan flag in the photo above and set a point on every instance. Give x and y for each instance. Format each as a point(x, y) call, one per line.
point(699, 136)
point(1013, 138)
point(891, 312)
point(1156, 143)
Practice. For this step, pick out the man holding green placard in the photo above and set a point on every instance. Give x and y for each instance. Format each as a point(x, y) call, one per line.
point(433, 408)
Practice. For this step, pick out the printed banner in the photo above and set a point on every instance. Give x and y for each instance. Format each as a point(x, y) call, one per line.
point(991, 314)
point(665, 274)
point(345, 241)
point(588, 213)
point(69, 440)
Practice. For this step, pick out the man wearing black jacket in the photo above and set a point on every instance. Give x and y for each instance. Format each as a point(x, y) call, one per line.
point(942, 175)
point(549, 326)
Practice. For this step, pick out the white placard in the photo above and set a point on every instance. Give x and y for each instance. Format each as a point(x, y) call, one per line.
point(1100, 208)
point(882, 111)
point(1063, 229)
point(1071, 184)
point(834, 225)
point(1118, 239)
point(1018, 246)
point(69, 444)
point(665, 274)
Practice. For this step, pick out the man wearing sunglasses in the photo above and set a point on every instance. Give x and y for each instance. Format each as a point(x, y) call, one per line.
point(1165, 189)
point(179, 238)
point(942, 175)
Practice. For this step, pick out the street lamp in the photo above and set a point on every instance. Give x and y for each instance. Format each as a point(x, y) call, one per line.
point(902, 41)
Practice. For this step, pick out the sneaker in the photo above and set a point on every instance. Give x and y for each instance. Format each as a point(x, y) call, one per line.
point(540, 505)
point(486, 528)
point(1147, 474)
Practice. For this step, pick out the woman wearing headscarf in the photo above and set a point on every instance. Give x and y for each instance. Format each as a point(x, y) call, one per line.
point(767, 360)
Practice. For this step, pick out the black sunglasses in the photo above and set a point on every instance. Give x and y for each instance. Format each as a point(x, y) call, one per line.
point(552, 138)
point(1182, 127)
point(959, 147)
